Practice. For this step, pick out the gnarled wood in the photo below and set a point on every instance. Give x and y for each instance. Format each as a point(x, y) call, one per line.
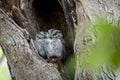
point(41, 15)
point(18, 47)
point(89, 10)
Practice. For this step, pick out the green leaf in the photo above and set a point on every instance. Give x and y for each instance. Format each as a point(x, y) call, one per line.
point(106, 50)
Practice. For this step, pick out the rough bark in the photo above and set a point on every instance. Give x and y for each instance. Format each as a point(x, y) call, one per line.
point(89, 10)
point(21, 54)
point(27, 17)
point(20, 20)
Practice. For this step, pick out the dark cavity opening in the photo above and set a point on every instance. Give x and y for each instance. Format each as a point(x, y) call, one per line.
point(50, 15)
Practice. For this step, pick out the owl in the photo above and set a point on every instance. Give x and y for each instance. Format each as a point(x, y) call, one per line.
point(55, 44)
point(54, 34)
point(40, 43)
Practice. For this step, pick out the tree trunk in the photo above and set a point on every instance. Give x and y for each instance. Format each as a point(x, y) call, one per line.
point(21, 54)
point(88, 10)
point(21, 20)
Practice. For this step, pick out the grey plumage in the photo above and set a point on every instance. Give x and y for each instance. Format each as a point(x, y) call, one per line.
point(55, 44)
point(40, 43)
point(55, 48)
point(50, 44)
point(41, 35)
point(54, 34)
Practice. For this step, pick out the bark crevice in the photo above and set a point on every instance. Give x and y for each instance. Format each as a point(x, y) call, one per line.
point(22, 57)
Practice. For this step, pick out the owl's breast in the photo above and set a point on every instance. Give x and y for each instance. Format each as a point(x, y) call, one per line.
point(54, 48)
point(40, 47)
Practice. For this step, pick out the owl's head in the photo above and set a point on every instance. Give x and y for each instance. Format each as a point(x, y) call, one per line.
point(41, 35)
point(54, 34)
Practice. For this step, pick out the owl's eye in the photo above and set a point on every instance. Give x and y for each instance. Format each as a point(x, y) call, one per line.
point(40, 37)
point(50, 37)
point(55, 34)
point(44, 37)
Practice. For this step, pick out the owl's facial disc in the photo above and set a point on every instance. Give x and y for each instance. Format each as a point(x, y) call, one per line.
point(40, 35)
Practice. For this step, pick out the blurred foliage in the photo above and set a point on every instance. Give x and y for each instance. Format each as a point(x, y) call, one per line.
point(106, 51)
point(1, 53)
point(4, 73)
point(70, 66)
